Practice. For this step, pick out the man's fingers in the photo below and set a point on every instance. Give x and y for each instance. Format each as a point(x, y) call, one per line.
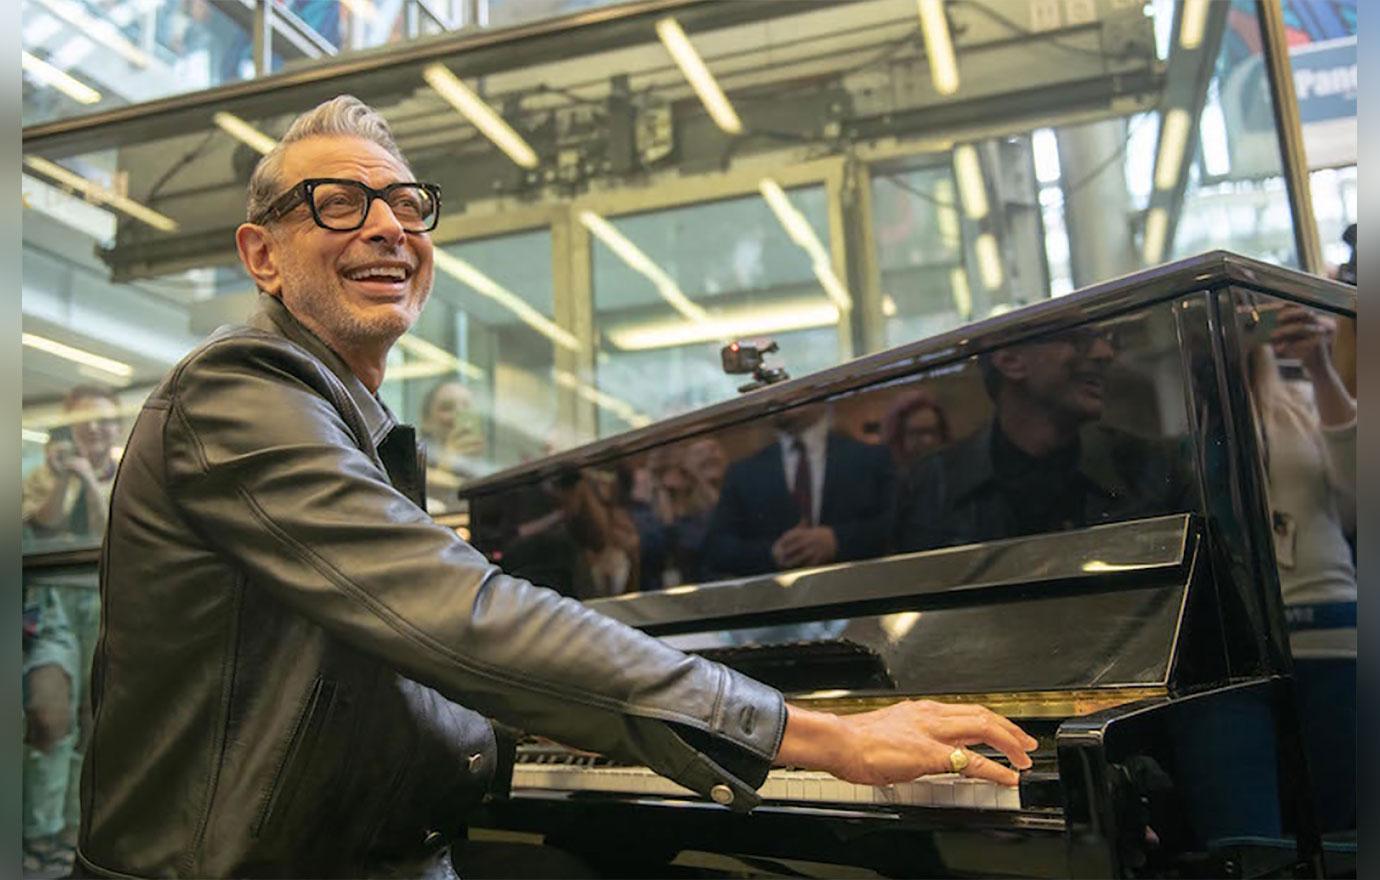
point(984, 768)
point(988, 730)
point(980, 715)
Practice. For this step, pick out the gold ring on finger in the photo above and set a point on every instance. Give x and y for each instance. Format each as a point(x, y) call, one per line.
point(958, 759)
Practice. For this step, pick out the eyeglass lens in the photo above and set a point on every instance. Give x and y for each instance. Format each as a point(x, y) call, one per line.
point(342, 206)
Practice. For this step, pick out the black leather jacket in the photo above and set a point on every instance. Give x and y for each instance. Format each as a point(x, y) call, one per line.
point(287, 639)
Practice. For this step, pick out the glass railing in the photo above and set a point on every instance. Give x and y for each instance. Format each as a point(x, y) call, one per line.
point(86, 56)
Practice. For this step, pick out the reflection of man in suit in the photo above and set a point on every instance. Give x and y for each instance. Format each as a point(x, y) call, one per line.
point(1044, 463)
point(811, 497)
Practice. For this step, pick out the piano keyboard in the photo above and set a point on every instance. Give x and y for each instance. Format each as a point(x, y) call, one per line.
point(807, 786)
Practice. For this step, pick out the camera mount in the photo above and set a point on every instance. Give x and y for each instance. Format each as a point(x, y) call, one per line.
point(741, 357)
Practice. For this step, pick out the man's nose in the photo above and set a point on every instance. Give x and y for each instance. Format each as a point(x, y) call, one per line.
point(382, 225)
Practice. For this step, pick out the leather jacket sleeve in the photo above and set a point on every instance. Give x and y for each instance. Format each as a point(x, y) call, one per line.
point(264, 463)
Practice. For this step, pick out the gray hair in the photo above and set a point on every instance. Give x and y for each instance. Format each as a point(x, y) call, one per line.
point(343, 115)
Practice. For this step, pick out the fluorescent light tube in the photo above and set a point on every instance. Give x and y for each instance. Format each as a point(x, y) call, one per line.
point(989, 260)
point(1192, 23)
point(1156, 226)
point(480, 114)
point(962, 294)
point(800, 232)
point(641, 263)
point(243, 131)
point(97, 29)
point(59, 79)
point(799, 315)
point(939, 46)
point(946, 214)
point(432, 353)
point(1173, 140)
point(483, 284)
point(32, 436)
point(100, 193)
point(619, 407)
point(972, 189)
point(78, 355)
point(692, 67)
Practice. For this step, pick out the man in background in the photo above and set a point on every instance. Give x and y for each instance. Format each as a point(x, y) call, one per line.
point(812, 496)
point(1044, 462)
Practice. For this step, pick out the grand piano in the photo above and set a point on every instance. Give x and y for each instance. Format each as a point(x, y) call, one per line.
point(1117, 594)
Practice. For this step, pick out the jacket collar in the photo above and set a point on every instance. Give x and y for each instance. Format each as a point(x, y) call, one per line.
point(273, 317)
point(971, 468)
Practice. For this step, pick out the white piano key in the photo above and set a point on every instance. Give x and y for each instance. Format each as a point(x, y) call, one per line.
point(835, 790)
point(984, 794)
point(1008, 798)
point(942, 793)
point(553, 773)
point(964, 795)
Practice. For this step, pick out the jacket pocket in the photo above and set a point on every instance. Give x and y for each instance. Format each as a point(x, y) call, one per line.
point(305, 735)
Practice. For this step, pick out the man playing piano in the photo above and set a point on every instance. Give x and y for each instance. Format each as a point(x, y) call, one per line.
point(288, 639)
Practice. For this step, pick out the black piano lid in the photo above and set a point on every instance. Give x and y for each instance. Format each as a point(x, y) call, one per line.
point(1108, 299)
point(1098, 557)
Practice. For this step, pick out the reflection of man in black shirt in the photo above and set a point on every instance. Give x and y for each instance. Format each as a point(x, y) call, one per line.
point(1043, 463)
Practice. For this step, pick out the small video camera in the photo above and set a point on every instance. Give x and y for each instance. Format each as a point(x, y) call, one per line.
point(741, 357)
point(744, 357)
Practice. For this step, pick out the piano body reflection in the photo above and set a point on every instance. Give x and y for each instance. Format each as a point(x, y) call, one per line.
point(1058, 513)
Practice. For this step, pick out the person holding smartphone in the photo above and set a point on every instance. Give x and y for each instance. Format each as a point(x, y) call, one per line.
point(66, 497)
point(1307, 434)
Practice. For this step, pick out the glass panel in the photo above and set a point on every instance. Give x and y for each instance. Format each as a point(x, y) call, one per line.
point(480, 386)
point(1234, 186)
point(82, 56)
point(1062, 432)
point(920, 239)
point(1322, 53)
point(1037, 211)
point(671, 287)
point(502, 13)
point(61, 622)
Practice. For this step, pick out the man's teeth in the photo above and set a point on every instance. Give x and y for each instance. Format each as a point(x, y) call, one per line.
point(393, 273)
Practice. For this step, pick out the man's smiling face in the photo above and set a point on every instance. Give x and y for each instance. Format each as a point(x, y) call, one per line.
point(360, 289)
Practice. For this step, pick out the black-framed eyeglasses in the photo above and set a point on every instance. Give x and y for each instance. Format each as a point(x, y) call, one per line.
point(342, 205)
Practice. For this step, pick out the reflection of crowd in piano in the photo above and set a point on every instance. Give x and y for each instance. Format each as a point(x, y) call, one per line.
point(1055, 433)
point(1014, 443)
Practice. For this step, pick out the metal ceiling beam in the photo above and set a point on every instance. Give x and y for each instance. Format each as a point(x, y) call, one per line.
point(383, 71)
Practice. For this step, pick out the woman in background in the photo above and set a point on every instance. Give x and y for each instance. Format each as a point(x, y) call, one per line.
point(1308, 440)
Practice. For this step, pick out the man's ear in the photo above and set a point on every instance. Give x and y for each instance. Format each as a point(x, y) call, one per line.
point(256, 247)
